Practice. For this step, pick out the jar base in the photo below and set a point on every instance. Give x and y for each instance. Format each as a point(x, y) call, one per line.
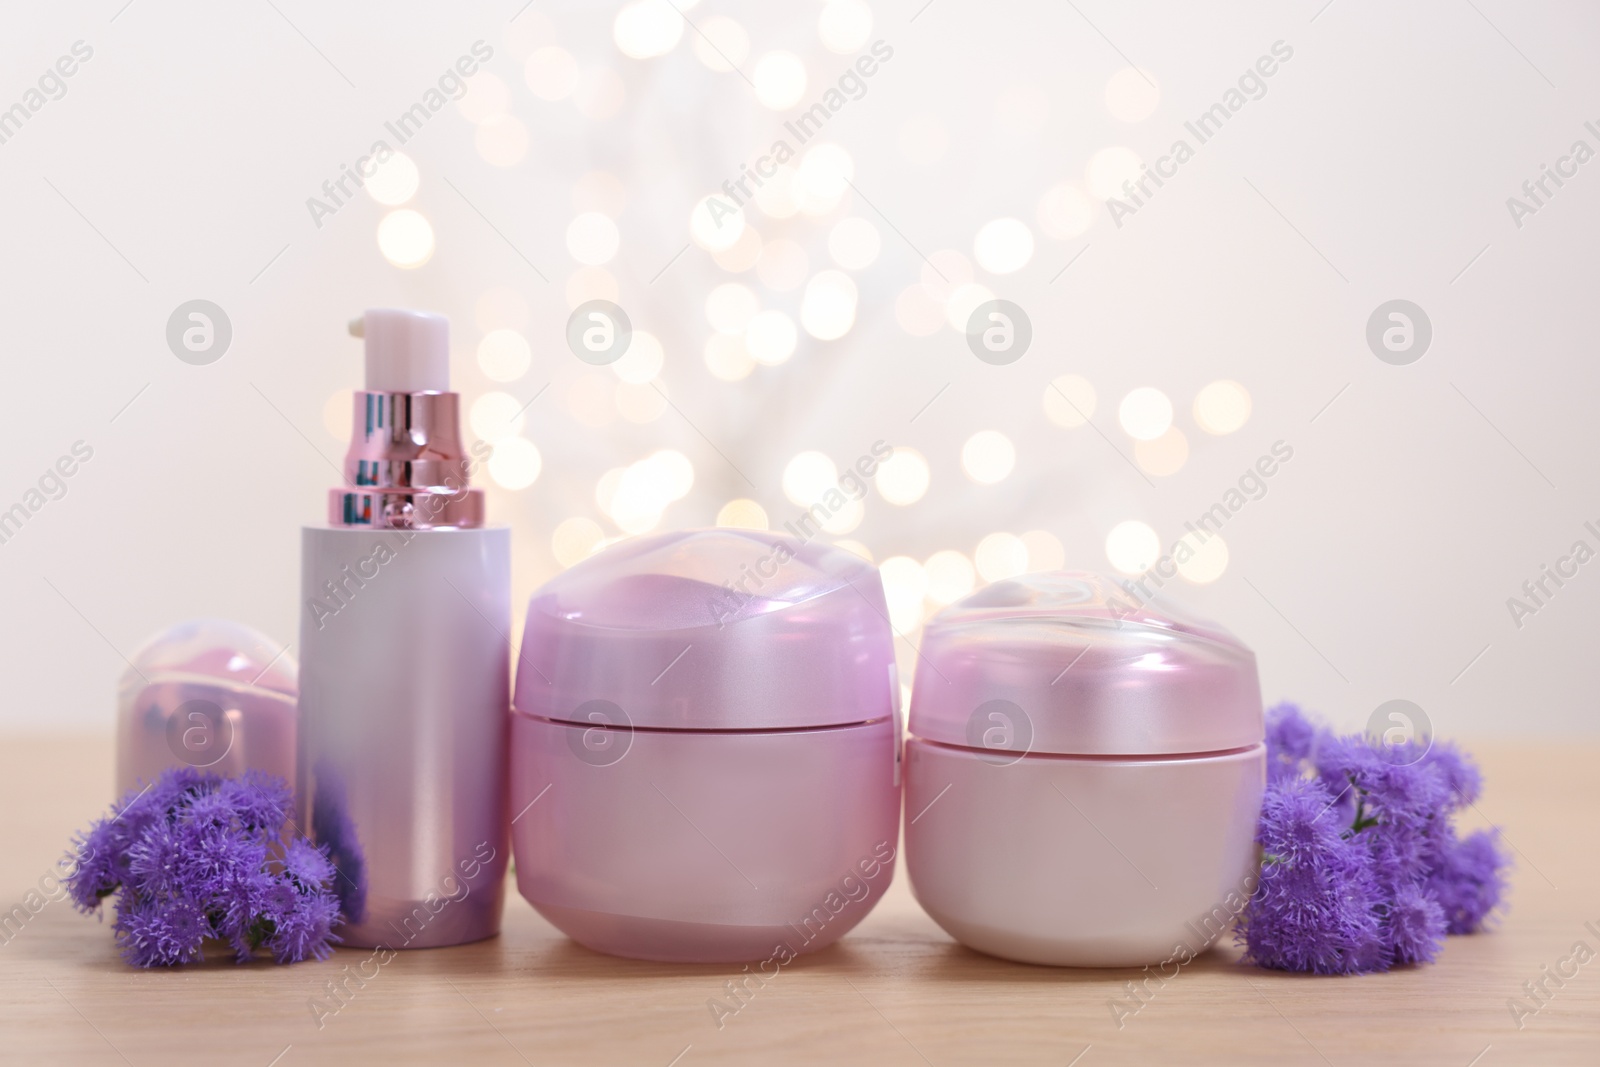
point(674, 941)
point(1106, 952)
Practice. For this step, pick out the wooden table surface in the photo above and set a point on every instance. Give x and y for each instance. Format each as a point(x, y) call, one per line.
point(896, 990)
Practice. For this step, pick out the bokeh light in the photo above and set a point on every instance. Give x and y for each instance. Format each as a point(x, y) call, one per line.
point(1000, 556)
point(496, 415)
point(988, 457)
point(1003, 246)
point(394, 181)
point(515, 463)
point(721, 42)
point(673, 472)
point(1069, 401)
point(742, 254)
point(501, 142)
point(854, 547)
point(1064, 212)
point(715, 224)
point(504, 355)
point(591, 283)
point(1145, 413)
point(1163, 456)
point(636, 497)
point(643, 359)
point(950, 576)
point(845, 519)
point(961, 303)
point(780, 80)
point(551, 73)
point(854, 243)
point(336, 415)
point(1132, 94)
point(405, 238)
point(592, 238)
point(730, 307)
point(647, 28)
point(770, 337)
point(905, 586)
point(742, 514)
point(778, 197)
point(485, 100)
point(1222, 407)
point(575, 539)
point(1208, 561)
point(807, 476)
point(1109, 168)
point(823, 178)
point(1132, 547)
point(828, 308)
point(844, 25)
point(727, 358)
point(1045, 552)
point(903, 478)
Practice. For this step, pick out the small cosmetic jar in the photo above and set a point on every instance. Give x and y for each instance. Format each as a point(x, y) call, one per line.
point(210, 694)
point(1084, 774)
point(705, 748)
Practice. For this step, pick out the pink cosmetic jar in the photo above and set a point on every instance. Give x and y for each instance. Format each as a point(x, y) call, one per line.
point(210, 694)
point(1084, 775)
point(704, 748)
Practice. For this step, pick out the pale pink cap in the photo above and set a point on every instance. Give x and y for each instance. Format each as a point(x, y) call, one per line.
point(1069, 662)
point(711, 630)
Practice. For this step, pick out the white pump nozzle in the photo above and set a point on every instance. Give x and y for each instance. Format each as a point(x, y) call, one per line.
point(407, 351)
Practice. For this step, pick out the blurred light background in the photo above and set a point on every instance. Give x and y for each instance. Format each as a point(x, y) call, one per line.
point(780, 334)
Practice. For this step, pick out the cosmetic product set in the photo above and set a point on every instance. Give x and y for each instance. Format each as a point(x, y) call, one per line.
point(701, 757)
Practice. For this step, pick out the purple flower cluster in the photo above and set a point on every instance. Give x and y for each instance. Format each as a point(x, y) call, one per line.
point(199, 856)
point(1361, 867)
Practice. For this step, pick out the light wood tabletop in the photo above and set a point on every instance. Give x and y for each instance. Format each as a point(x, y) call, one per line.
point(897, 990)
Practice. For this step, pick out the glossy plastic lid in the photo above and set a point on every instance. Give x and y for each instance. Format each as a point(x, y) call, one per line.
point(229, 654)
point(1069, 662)
point(710, 630)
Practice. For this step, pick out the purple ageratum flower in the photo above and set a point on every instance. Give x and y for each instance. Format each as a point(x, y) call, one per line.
point(1413, 924)
point(1291, 738)
point(1315, 907)
point(1405, 794)
point(1391, 809)
point(1460, 773)
point(192, 856)
point(1470, 880)
point(301, 908)
point(160, 933)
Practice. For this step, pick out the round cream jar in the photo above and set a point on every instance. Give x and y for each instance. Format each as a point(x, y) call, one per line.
point(1084, 775)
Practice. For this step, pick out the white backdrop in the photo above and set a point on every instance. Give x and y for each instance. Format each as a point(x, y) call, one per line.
point(176, 161)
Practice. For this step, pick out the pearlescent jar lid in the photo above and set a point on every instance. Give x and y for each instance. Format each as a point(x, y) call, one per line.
point(710, 630)
point(228, 654)
point(1070, 663)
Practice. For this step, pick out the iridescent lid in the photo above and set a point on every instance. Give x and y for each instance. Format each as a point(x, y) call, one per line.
point(229, 654)
point(1068, 662)
point(710, 630)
